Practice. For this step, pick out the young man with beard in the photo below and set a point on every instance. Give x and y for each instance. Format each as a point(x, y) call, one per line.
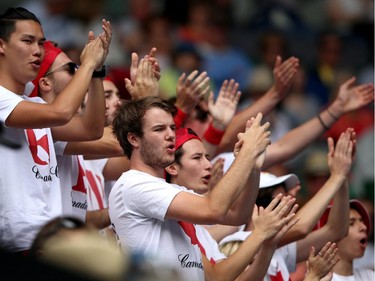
point(156, 218)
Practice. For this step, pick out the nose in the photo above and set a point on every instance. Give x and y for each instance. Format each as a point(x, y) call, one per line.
point(207, 164)
point(171, 134)
point(362, 226)
point(38, 49)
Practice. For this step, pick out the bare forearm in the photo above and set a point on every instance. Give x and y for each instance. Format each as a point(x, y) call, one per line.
point(94, 112)
point(313, 210)
point(265, 104)
point(71, 97)
point(296, 140)
point(244, 204)
point(233, 182)
point(258, 269)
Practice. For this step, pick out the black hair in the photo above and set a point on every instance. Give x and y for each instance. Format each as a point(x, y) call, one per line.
point(8, 20)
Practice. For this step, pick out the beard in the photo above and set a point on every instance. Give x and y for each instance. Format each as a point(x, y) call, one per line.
point(154, 157)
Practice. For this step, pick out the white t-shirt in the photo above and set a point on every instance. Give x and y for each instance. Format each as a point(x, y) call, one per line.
point(29, 180)
point(96, 198)
point(138, 203)
point(359, 274)
point(211, 247)
point(74, 185)
point(283, 260)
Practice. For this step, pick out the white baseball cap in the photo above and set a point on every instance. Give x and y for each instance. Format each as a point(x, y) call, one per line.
point(268, 180)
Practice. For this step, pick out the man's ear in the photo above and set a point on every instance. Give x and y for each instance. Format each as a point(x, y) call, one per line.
point(172, 170)
point(45, 84)
point(2, 46)
point(133, 139)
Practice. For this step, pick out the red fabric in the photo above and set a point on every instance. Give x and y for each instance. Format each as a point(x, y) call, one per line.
point(189, 229)
point(50, 55)
point(183, 135)
point(179, 118)
point(213, 135)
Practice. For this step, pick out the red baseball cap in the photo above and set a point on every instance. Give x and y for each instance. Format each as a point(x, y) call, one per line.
point(183, 135)
point(354, 204)
point(50, 54)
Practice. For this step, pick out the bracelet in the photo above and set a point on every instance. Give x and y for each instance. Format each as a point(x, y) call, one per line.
point(321, 122)
point(213, 135)
point(330, 114)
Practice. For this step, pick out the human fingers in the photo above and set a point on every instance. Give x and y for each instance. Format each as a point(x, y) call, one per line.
point(275, 201)
point(191, 77)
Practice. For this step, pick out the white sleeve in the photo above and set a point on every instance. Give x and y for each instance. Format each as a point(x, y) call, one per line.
point(8, 101)
point(289, 252)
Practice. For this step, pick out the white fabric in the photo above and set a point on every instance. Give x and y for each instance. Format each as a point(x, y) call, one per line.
point(29, 182)
point(359, 274)
point(138, 203)
point(210, 245)
point(283, 260)
point(96, 198)
point(74, 185)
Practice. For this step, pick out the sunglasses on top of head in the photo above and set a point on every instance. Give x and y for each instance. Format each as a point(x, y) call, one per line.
point(71, 67)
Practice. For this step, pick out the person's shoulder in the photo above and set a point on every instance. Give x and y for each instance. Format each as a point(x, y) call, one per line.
point(364, 274)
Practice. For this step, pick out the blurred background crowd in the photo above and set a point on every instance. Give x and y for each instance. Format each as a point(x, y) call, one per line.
point(240, 39)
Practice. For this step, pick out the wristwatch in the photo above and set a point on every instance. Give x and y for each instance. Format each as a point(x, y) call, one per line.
point(100, 73)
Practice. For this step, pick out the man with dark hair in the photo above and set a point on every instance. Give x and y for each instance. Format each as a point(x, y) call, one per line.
point(29, 179)
point(156, 218)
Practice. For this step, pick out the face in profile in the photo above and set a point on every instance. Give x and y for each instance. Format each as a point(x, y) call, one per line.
point(353, 246)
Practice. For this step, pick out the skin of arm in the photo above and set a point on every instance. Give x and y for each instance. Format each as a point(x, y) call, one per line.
point(333, 231)
point(66, 105)
point(315, 207)
point(90, 124)
point(284, 73)
point(349, 98)
point(106, 146)
point(213, 208)
point(270, 221)
point(98, 218)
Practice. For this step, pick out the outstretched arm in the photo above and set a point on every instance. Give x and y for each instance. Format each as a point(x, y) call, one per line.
point(270, 221)
point(213, 207)
point(284, 73)
point(333, 231)
point(349, 98)
point(66, 104)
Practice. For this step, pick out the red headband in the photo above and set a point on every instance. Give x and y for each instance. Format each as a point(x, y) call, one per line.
point(183, 135)
point(50, 55)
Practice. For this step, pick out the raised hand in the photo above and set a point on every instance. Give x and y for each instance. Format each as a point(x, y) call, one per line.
point(283, 73)
point(146, 83)
point(256, 136)
point(277, 218)
point(134, 66)
point(217, 173)
point(340, 158)
point(223, 110)
point(97, 48)
point(191, 90)
point(351, 97)
point(319, 266)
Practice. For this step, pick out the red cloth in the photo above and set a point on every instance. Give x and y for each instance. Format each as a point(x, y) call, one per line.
point(50, 55)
